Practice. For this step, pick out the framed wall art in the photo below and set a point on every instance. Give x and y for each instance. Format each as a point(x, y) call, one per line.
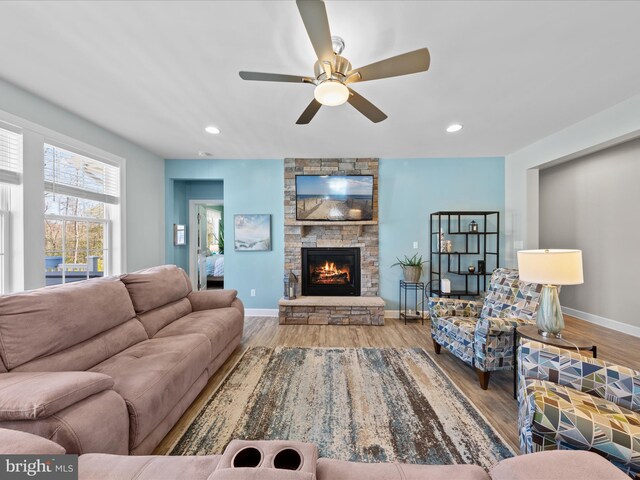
point(252, 232)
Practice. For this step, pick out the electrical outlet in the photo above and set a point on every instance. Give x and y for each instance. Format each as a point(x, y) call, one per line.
point(415, 245)
point(253, 292)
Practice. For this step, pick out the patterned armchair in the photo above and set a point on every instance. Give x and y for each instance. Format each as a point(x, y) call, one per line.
point(481, 334)
point(572, 402)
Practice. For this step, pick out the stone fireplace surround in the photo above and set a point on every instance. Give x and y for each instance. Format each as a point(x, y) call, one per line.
point(368, 309)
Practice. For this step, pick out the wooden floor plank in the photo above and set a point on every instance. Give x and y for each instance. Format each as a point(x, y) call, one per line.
point(496, 404)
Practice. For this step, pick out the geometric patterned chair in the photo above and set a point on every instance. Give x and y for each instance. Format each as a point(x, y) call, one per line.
point(481, 333)
point(569, 401)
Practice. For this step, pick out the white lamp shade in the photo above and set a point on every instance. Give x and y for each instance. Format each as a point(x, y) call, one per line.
point(551, 267)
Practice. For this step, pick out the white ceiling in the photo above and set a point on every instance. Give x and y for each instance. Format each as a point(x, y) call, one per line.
point(158, 72)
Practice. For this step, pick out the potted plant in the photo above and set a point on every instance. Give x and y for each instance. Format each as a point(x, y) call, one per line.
point(411, 267)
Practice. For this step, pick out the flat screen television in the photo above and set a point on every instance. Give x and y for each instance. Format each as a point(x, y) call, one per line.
point(335, 198)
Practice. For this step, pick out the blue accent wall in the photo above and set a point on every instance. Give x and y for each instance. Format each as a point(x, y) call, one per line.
point(249, 186)
point(409, 190)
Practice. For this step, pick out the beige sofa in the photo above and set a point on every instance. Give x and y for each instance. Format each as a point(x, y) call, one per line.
point(109, 365)
point(283, 460)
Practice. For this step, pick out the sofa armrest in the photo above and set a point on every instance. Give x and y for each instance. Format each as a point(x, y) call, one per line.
point(210, 299)
point(34, 395)
point(585, 374)
point(453, 307)
point(14, 442)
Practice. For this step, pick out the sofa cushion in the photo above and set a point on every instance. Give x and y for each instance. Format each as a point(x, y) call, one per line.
point(28, 396)
point(329, 469)
point(259, 474)
point(51, 319)
point(91, 352)
point(157, 286)
point(162, 316)
point(220, 326)
point(556, 465)
point(153, 376)
point(14, 442)
point(100, 467)
point(573, 419)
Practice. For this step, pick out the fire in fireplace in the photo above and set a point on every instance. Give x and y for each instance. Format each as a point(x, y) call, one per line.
point(330, 274)
point(331, 271)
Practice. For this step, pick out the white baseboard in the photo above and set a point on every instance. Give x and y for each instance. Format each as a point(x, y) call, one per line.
point(391, 314)
point(261, 312)
point(603, 322)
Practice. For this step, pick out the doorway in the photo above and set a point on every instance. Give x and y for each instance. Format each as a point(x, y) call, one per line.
point(206, 244)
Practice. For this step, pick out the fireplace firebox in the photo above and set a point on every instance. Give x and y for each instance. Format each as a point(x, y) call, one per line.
point(331, 271)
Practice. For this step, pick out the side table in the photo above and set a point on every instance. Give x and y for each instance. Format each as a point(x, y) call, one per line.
point(568, 342)
point(411, 314)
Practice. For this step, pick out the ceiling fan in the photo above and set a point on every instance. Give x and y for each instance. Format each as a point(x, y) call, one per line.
point(333, 72)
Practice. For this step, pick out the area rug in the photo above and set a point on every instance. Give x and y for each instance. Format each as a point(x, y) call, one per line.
point(358, 404)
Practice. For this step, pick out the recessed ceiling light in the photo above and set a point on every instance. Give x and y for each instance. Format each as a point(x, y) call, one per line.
point(212, 130)
point(454, 127)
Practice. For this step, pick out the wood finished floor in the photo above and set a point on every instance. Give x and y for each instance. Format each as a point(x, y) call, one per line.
point(496, 403)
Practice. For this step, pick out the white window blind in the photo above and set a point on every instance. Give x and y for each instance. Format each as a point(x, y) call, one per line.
point(72, 174)
point(10, 156)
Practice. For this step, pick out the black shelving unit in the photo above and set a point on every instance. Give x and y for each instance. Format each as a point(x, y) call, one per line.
point(468, 247)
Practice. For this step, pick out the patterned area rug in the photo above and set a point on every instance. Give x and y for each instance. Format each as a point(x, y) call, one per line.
point(359, 404)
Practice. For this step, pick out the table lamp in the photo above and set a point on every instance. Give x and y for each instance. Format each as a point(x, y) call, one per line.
point(550, 268)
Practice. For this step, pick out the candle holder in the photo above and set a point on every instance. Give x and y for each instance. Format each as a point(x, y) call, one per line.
point(290, 286)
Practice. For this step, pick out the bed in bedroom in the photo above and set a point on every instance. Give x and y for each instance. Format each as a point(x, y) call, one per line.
point(215, 271)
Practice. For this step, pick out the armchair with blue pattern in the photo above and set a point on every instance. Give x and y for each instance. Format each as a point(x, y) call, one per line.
point(482, 333)
point(571, 402)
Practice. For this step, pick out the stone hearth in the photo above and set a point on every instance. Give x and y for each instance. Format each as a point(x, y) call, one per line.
point(332, 311)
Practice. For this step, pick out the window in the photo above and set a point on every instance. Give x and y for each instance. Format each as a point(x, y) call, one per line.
point(80, 195)
point(10, 160)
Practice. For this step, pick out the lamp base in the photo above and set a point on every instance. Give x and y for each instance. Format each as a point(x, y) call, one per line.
point(549, 334)
point(550, 321)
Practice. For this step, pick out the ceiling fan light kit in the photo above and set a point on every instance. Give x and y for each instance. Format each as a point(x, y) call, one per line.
point(333, 72)
point(331, 93)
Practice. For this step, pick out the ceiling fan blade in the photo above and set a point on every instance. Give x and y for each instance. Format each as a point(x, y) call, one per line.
point(314, 17)
point(411, 62)
point(274, 77)
point(365, 107)
point(309, 112)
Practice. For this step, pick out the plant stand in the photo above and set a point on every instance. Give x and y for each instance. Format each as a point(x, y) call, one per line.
point(410, 314)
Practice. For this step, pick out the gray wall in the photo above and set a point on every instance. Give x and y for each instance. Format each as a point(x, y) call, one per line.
point(592, 203)
point(145, 171)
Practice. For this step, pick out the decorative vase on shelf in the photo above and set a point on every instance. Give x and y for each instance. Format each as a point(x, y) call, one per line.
point(472, 269)
point(412, 274)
